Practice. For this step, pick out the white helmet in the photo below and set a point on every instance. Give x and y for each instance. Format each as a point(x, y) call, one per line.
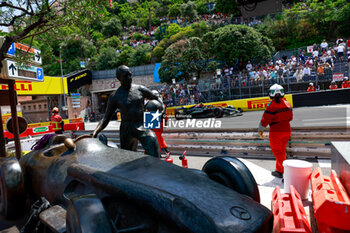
point(311, 84)
point(346, 78)
point(276, 90)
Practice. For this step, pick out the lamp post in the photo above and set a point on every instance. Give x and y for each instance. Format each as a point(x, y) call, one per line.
point(64, 96)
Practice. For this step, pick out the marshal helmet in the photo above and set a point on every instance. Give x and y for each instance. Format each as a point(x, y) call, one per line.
point(276, 91)
point(55, 110)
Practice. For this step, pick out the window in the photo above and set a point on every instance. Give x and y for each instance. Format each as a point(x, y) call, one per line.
point(34, 107)
point(45, 106)
point(24, 107)
point(29, 107)
point(39, 106)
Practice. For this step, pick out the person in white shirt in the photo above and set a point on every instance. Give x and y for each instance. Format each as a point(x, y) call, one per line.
point(324, 45)
point(315, 53)
point(340, 50)
point(249, 66)
point(307, 72)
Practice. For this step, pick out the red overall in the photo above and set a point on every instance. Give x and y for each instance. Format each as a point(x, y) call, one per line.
point(159, 132)
point(311, 89)
point(345, 84)
point(56, 121)
point(278, 116)
point(333, 87)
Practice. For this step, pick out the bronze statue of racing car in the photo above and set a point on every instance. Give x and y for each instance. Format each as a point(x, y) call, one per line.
point(105, 189)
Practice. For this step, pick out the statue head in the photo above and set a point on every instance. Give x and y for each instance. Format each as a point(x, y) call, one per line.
point(124, 76)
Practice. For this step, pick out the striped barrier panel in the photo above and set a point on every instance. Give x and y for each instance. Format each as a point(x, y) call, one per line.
point(331, 203)
point(289, 213)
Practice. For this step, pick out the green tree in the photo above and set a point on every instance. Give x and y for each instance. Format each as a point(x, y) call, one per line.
point(112, 27)
point(113, 42)
point(192, 59)
point(29, 19)
point(227, 7)
point(188, 10)
point(108, 59)
point(141, 55)
point(174, 11)
point(241, 42)
point(125, 56)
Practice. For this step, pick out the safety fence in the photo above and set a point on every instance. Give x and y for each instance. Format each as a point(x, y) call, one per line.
point(304, 142)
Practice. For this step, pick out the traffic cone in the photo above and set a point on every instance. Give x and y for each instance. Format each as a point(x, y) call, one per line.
point(184, 160)
point(168, 159)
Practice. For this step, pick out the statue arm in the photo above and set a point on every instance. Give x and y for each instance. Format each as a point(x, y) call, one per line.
point(149, 95)
point(111, 107)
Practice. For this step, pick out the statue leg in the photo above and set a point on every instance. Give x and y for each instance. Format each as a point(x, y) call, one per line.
point(127, 140)
point(149, 142)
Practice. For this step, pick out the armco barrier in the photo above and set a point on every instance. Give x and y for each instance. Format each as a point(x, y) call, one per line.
point(331, 203)
point(289, 213)
point(319, 98)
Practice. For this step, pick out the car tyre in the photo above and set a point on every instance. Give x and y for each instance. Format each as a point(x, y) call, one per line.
point(13, 197)
point(218, 112)
point(232, 173)
point(240, 110)
point(86, 214)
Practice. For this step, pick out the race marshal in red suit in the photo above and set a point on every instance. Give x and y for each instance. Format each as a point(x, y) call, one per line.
point(333, 86)
point(311, 88)
point(56, 121)
point(278, 114)
point(345, 83)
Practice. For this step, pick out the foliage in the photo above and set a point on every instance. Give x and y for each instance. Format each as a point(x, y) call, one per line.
point(141, 55)
point(227, 7)
point(111, 28)
point(113, 42)
point(241, 42)
point(29, 19)
point(125, 56)
point(308, 23)
point(158, 52)
point(138, 36)
point(174, 11)
point(188, 10)
point(108, 59)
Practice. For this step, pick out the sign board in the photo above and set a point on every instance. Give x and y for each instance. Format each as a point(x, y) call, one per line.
point(82, 64)
point(36, 58)
point(11, 70)
point(338, 77)
point(50, 86)
point(41, 129)
point(310, 49)
point(79, 79)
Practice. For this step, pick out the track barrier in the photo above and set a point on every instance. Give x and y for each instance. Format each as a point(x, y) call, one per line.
point(304, 142)
point(289, 213)
point(331, 203)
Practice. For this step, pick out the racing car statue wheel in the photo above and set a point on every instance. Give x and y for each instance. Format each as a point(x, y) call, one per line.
point(232, 173)
point(13, 197)
point(218, 112)
point(85, 214)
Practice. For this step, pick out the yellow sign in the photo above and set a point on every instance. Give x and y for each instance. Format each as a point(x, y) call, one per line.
point(8, 115)
point(50, 86)
point(252, 104)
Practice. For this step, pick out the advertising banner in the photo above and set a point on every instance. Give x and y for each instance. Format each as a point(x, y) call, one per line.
point(50, 86)
point(338, 77)
point(252, 104)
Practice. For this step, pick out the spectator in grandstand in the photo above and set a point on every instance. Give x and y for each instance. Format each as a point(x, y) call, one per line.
point(249, 66)
point(333, 86)
point(345, 83)
point(278, 114)
point(340, 51)
point(328, 71)
point(324, 46)
point(299, 74)
point(320, 71)
point(311, 88)
point(307, 73)
point(315, 54)
point(280, 78)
